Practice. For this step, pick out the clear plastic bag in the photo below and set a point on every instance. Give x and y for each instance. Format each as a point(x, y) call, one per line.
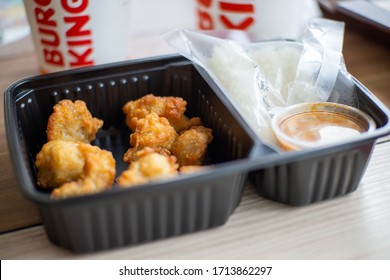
point(260, 78)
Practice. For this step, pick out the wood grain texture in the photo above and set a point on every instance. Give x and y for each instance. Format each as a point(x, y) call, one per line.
point(369, 62)
point(15, 210)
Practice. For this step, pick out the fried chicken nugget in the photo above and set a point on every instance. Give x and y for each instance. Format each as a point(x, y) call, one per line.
point(149, 166)
point(151, 131)
point(73, 122)
point(98, 174)
point(190, 146)
point(171, 108)
point(59, 162)
point(74, 168)
point(189, 169)
point(131, 154)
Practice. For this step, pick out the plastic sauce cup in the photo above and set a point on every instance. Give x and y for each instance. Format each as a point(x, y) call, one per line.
point(308, 125)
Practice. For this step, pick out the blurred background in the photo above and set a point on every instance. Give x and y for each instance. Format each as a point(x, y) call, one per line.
point(14, 26)
point(367, 23)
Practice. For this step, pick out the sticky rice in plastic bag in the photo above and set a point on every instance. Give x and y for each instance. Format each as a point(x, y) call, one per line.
point(260, 78)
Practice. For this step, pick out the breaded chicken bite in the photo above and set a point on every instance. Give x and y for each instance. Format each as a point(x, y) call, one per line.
point(190, 146)
point(98, 174)
point(189, 169)
point(74, 168)
point(151, 131)
point(171, 108)
point(59, 162)
point(149, 166)
point(72, 121)
point(131, 154)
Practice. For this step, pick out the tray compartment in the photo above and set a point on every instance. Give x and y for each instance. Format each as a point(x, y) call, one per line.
point(313, 179)
point(304, 177)
point(144, 213)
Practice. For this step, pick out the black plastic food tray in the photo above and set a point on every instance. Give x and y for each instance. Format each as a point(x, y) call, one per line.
point(308, 176)
point(139, 214)
point(187, 203)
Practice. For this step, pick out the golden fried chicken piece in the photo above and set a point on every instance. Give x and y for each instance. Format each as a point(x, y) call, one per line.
point(151, 131)
point(59, 162)
point(74, 168)
point(189, 169)
point(171, 108)
point(149, 166)
point(131, 154)
point(98, 174)
point(73, 122)
point(190, 146)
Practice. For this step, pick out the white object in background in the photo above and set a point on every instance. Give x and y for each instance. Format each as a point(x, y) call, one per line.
point(76, 33)
point(263, 19)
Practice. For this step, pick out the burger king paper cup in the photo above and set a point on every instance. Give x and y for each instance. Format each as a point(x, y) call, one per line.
point(77, 33)
point(262, 19)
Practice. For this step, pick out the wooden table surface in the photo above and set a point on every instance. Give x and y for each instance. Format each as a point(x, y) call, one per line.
point(355, 226)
